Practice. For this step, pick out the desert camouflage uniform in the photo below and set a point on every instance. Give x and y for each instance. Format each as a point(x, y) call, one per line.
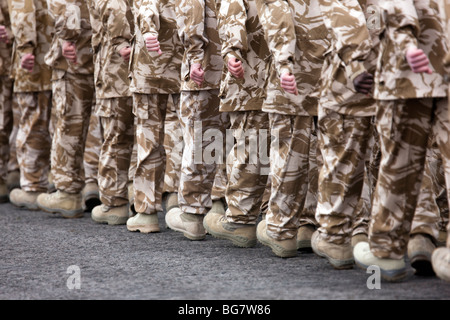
point(32, 29)
point(298, 40)
point(407, 102)
point(8, 119)
point(199, 106)
point(173, 145)
point(447, 65)
point(73, 92)
point(92, 150)
point(112, 31)
point(242, 36)
point(345, 117)
point(155, 81)
point(431, 215)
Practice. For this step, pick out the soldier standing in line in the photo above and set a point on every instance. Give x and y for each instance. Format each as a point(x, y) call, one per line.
point(410, 89)
point(155, 79)
point(32, 28)
point(113, 25)
point(199, 112)
point(242, 94)
point(298, 40)
point(7, 116)
point(440, 258)
point(173, 146)
point(431, 213)
point(345, 126)
point(90, 193)
point(430, 221)
point(73, 99)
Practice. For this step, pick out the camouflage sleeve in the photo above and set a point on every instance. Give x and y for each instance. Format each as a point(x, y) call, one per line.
point(231, 19)
point(148, 17)
point(67, 17)
point(347, 24)
point(279, 26)
point(96, 24)
point(23, 25)
point(118, 24)
point(191, 28)
point(402, 23)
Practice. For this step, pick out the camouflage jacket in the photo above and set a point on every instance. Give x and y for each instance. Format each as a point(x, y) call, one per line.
point(407, 23)
point(197, 28)
point(72, 24)
point(298, 40)
point(112, 30)
point(32, 28)
point(151, 72)
point(355, 28)
point(242, 36)
point(5, 48)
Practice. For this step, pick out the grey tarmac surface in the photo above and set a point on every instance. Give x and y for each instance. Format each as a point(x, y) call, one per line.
point(41, 255)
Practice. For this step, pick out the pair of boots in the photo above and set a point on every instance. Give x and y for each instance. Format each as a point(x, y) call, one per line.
point(247, 235)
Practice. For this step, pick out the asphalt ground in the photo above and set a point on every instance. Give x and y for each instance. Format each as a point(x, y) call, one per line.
point(46, 257)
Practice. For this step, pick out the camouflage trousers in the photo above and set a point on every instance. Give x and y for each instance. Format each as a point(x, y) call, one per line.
point(431, 215)
point(33, 140)
point(92, 149)
point(204, 137)
point(133, 160)
point(247, 166)
point(289, 166)
point(403, 127)
point(8, 129)
point(307, 215)
point(173, 145)
point(364, 208)
point(344, 143)
point(117, 121)
point(150, 111)
point(74, 100)
point(220, 182)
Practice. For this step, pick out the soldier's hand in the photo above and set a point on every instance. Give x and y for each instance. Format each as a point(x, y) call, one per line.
point(288, 83)
point(125, 53)
point(3, 34)
point(152, 44)
point(27, 62)
point(197, 74)
point(418, 61)
point(363, 83)
point(69, 51)
point(235, 67)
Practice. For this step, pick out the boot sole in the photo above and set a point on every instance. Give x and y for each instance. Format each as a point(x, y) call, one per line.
point(190, 236)
point(69, 214)
point(278, 250)
point(111, 220)
point(241, 242)
point(144, 228)
point(389, 276)
point(336, 263)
